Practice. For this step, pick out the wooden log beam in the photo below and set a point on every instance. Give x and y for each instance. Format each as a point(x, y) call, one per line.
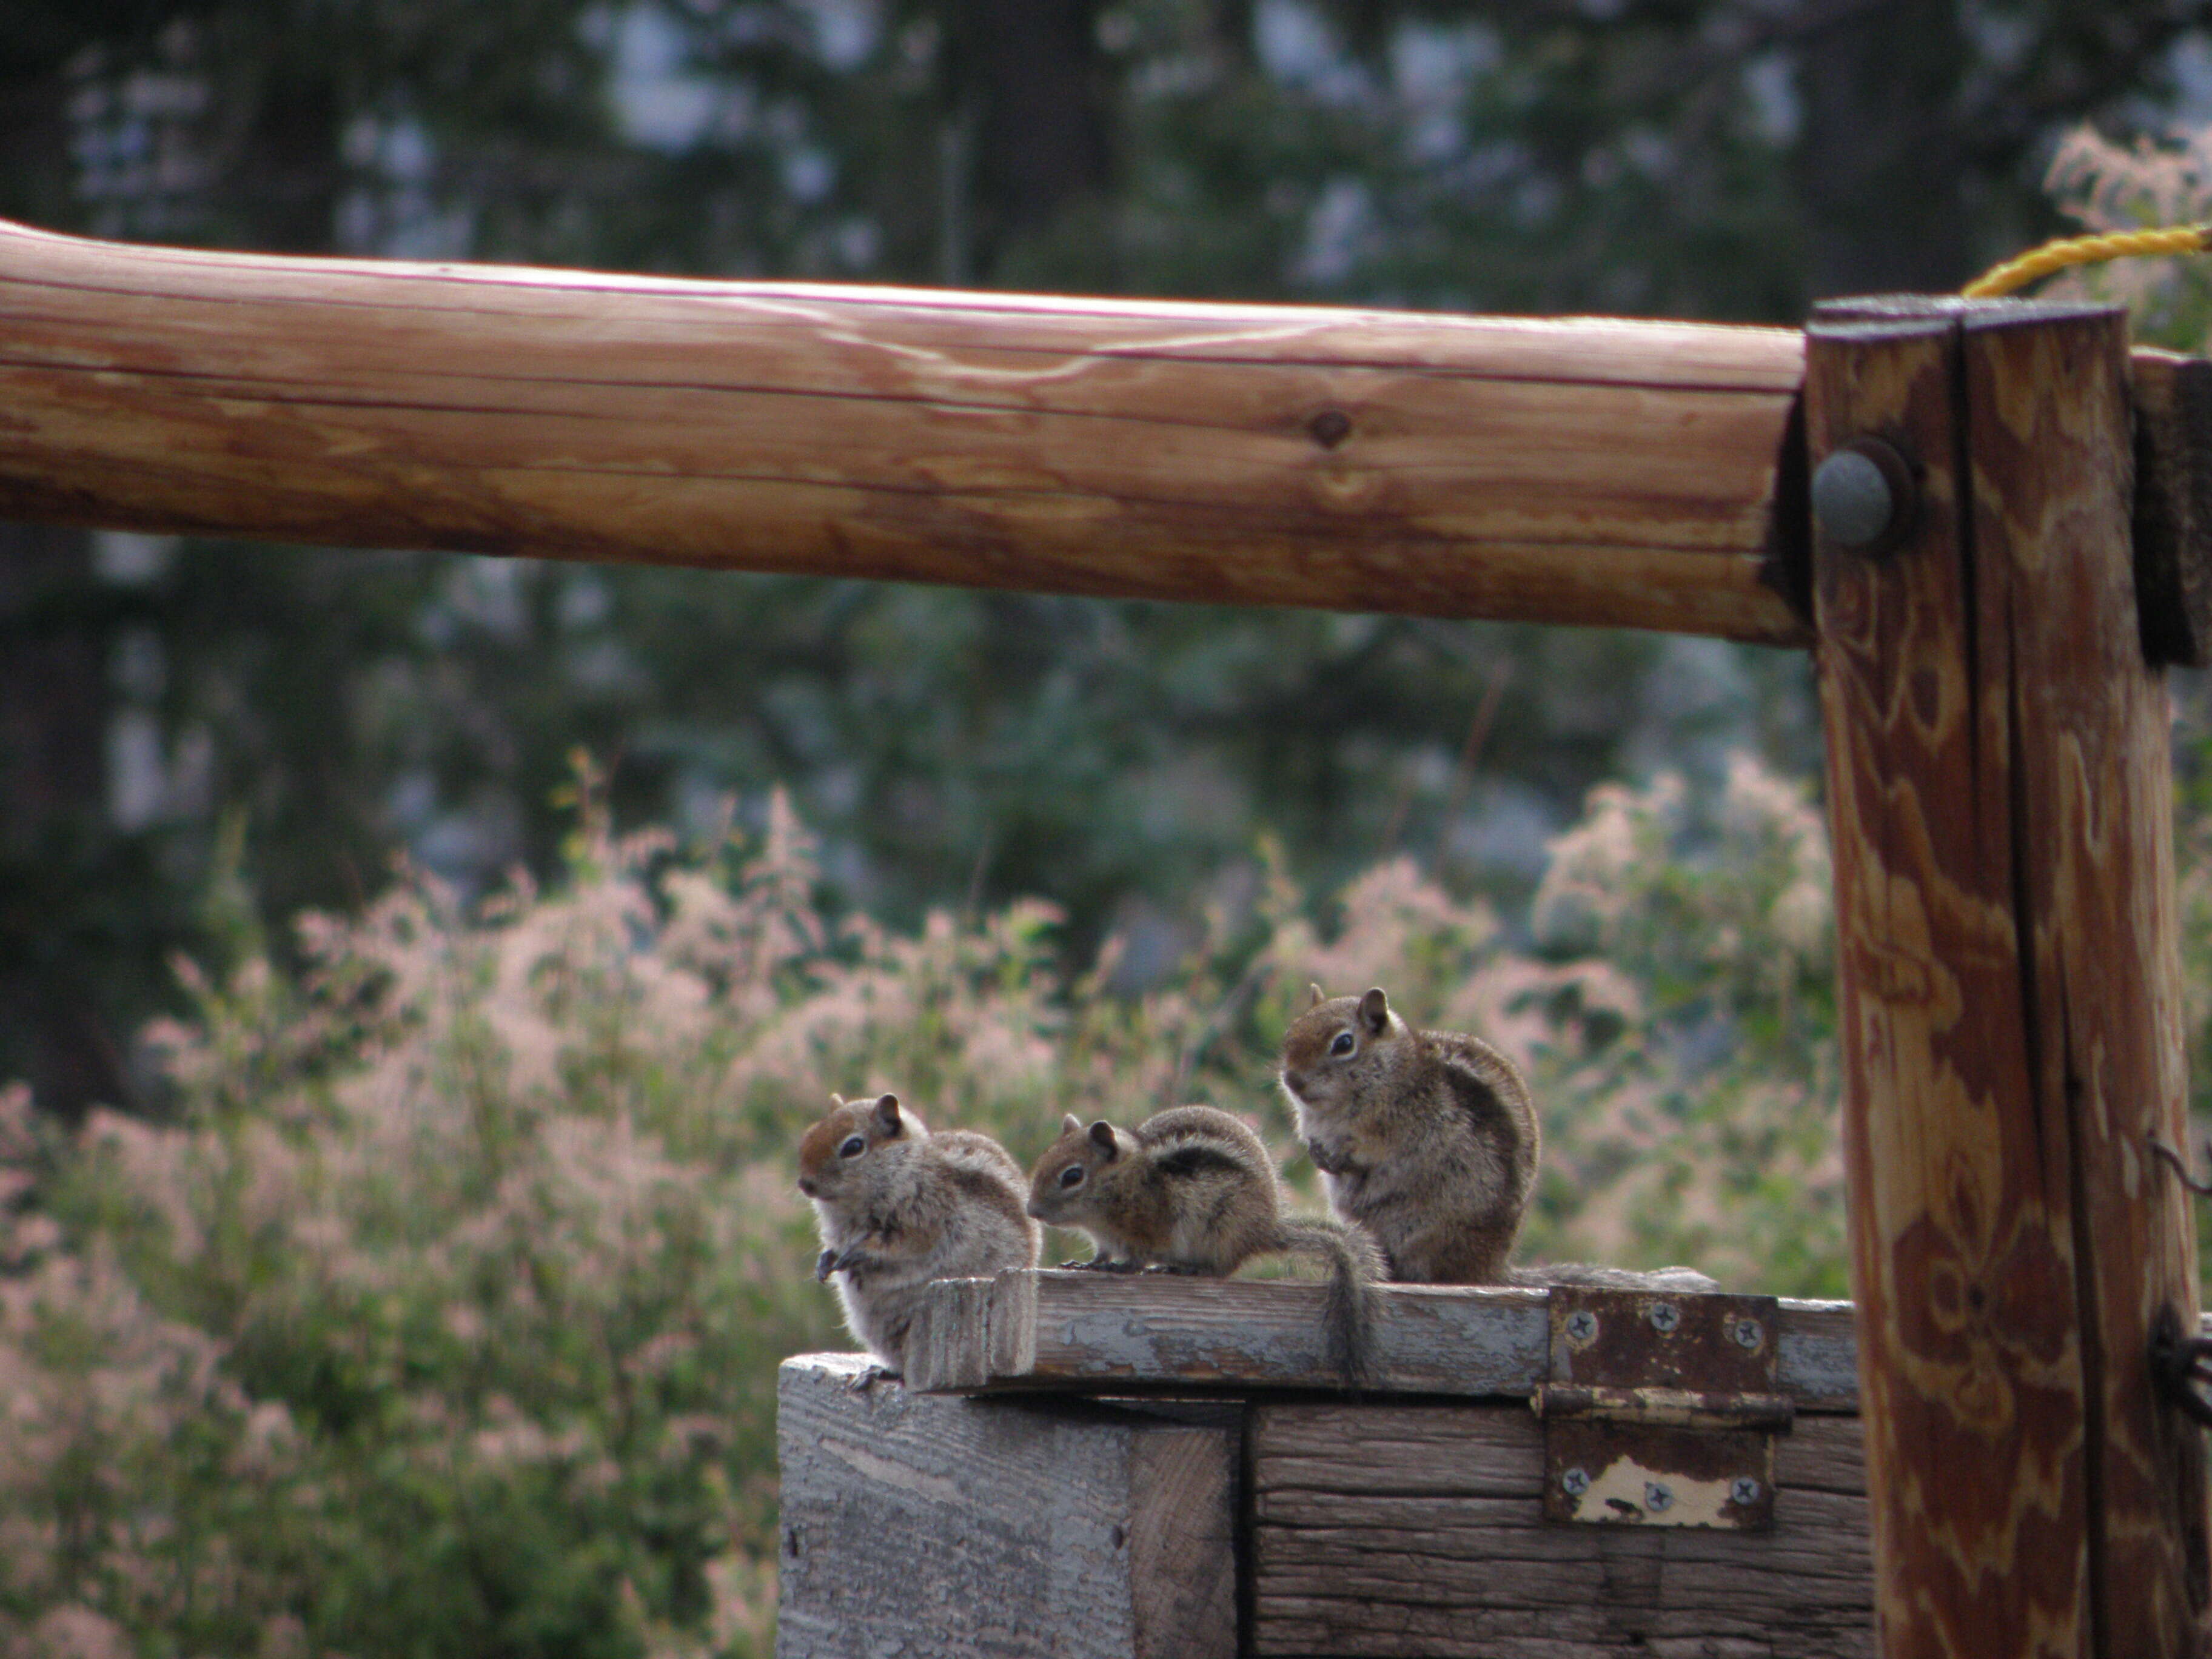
point(1594, 472)
point(1998, 788)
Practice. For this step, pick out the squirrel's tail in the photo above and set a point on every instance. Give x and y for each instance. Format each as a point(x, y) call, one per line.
point(1355, 1264)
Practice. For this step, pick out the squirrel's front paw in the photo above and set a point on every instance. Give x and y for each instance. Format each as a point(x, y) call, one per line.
point(825, 1265)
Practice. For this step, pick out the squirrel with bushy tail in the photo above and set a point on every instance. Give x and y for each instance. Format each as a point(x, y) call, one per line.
point(1429, 1141)
point(1192, 1190)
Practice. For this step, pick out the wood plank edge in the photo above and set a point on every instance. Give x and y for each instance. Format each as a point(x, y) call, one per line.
point(2173, 520)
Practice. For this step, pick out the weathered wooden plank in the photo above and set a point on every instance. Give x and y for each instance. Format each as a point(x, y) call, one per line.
point(1998, 790)
point(1589, 471)
point(2172, 529)
point(1446, 1634)
point(1184, 1494)
point(1353, 1449)
point(1048, 1329)
point(1391, 1529)
point(997, 1529)
point(1481, 1532)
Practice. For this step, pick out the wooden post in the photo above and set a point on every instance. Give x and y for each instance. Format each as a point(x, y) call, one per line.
point(2001, 802)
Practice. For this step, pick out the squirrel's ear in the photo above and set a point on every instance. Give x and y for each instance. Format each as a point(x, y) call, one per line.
point(887, 1114)
point(1317, 998)
point(1070, 1125)
point(1375, 1011)
point(835, 1100)
point(1102, 1137)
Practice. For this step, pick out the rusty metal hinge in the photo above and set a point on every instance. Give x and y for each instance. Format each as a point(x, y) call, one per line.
point(1661, 1408)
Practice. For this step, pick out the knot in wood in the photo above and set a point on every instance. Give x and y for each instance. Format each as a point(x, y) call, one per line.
point(1330, 427)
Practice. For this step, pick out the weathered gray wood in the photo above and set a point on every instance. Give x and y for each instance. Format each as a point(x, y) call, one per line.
point(1183, 1493)
point(1387, 1530)
point(1819, 1356)
point(1032, 1331)
point(997, 1529)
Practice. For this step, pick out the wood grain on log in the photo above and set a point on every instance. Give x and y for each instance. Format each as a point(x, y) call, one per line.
point(1589, 471)
point(2001, 805)
point(1418, 1530)
point(997, 1529)
point(1042, 1330)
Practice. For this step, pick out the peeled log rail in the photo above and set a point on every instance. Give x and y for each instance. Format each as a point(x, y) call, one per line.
point(1590, 471)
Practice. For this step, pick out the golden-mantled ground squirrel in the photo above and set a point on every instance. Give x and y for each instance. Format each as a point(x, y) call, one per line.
point(899, 1206)
point(1426, 1139)
point(1192, 1190)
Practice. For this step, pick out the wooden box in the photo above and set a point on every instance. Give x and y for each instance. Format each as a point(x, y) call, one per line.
point(1087, 1465)
point(918, 1524)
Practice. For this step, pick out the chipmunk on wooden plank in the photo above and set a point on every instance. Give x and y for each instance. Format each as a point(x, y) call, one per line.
point(1192, 1190)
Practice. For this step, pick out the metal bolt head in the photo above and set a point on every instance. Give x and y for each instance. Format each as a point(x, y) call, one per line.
point(1864, 497)
point(1657, 1496)
point(1747, 1333)
point(1575, 1481)
point(1851, 499)
point(1745, 1490)
point(1582, 1325)
point(1665, 1315)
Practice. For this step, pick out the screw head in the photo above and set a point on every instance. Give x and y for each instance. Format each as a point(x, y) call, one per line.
point(1582, 1325)
point(1747, 1333)
point(1745, 1490)
point(1665, 1315)
point(1657, 1496)
point(1576, 1482)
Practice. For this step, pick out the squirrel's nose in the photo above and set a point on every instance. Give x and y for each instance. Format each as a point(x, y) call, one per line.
point(1035, 1212)
point(806, 1185)
point(1294, 1081)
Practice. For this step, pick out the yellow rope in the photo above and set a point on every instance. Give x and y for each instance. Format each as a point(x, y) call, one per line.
point(2057, 256)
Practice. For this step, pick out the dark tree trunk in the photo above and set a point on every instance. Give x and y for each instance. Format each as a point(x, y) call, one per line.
point(1882, 164)
point(53, 691)
point(1030, 78)
point(53, 725)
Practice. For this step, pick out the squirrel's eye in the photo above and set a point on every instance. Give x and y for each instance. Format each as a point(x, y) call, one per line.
point(853, 1147)
point(1072, 1175)
point(1345, 1044)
